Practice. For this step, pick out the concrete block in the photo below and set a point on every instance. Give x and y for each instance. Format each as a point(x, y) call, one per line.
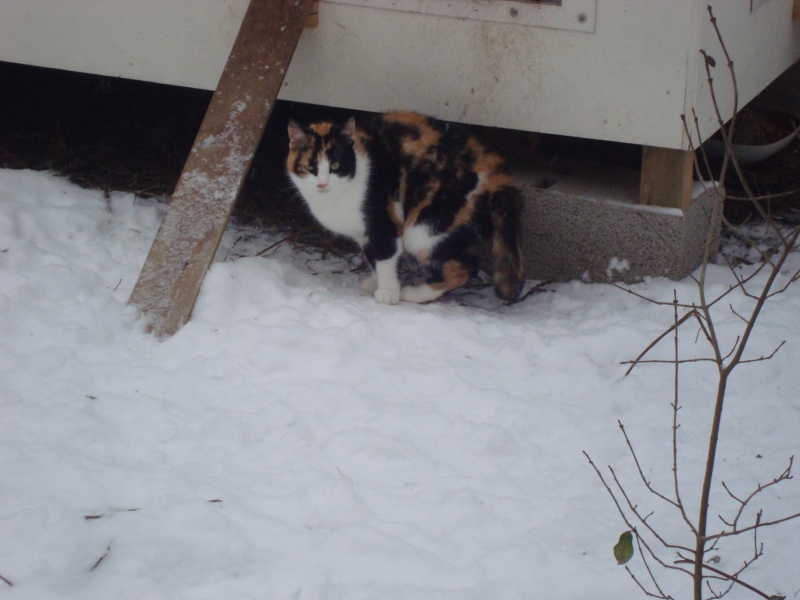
point(583, 221)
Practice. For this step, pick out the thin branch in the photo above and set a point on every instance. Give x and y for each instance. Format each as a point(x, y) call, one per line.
point(649, 571)
point(704, 317)
point(758, 551)
point(102, 557)
point(709, 62)
point(731, 494)
point(785, 475)
point(539, 287)
point(647, 592)
point(727, 134)
point(763, 358)
point(734, 346)
point(289, 238)
point(724, 534)
point(630, 525)
point(741, 234)
point(730, 578)
point(717, 595)
point(655, 342)
point(699, 551)
point(703, 154)
point(733, 310)
point(762, 300)
point(635, 511)
point(675, 424)
point(741, 283)
point(671, 361)
point(609, 490)
point(764, 197)
point(782, 289)
point(795, 277)
point(641, 473)
point(628, 290)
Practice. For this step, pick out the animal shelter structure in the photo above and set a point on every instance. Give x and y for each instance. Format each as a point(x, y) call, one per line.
point(616, 70)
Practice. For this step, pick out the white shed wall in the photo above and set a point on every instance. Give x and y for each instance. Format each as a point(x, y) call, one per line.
point(181, 42)
point(628, 80)
point(624, 82)
point(762, 44)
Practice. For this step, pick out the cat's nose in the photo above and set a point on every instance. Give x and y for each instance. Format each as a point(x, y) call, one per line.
point(322, 186)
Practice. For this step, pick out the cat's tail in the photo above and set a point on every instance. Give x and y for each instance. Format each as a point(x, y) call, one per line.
point(508, 275)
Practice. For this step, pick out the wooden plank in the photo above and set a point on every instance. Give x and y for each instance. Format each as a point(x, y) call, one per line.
point(796, 10)
point(218, 163)
point(666, 178)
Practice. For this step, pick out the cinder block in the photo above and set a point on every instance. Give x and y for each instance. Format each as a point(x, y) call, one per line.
point(586, 223)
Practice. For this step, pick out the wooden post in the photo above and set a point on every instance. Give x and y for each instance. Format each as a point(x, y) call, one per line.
point(666, 178)
point(218, 163)
point(312, 21)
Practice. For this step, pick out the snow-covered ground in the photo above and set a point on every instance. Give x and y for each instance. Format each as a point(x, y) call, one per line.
point(297, 440)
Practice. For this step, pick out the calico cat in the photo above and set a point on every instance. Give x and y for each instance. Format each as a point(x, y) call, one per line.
point(403, 182)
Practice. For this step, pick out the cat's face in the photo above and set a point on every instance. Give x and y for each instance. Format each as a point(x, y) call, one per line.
point(321, 157)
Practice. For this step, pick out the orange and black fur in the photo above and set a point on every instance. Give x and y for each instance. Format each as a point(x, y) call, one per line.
point(402, 182)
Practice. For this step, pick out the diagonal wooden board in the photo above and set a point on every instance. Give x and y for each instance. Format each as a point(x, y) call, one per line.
point(212, 178)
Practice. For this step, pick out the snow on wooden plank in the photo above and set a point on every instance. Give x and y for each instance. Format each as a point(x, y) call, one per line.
point(218, 163)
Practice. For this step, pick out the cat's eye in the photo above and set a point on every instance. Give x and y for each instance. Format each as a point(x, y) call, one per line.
point(311, 170)
point(334, 166)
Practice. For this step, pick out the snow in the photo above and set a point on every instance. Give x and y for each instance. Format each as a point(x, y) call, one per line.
point(617, 265)
point(298, 440)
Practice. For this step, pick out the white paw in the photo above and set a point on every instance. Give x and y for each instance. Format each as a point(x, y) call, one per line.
point(370, 284)
point(387, 296)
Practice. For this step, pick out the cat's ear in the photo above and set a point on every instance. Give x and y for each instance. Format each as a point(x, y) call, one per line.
point(298, 138)
point(349, 129)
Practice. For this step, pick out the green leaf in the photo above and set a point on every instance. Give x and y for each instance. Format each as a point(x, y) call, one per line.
point(623, 551)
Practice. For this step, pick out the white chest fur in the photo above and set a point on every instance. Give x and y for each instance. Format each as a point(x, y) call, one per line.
point(336, 202)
